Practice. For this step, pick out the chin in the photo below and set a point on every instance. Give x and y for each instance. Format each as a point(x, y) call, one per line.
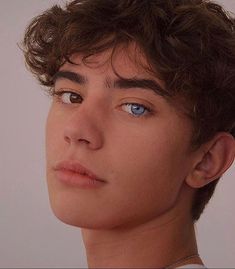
point(89, 218)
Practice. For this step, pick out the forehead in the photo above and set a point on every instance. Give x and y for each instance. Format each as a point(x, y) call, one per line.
point(126, 61)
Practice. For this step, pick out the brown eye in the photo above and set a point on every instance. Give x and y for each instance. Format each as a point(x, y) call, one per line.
point(69, 97)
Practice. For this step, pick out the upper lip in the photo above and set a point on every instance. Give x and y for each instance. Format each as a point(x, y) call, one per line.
point(76, 167)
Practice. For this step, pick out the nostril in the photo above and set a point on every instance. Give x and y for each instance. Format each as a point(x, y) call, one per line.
point(83, 140)
point(67, 139)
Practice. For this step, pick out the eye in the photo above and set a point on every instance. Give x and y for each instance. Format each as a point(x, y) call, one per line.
point(135, 109)
point(68, 97)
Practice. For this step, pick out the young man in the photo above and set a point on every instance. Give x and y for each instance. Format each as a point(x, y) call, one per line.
point(142, 122)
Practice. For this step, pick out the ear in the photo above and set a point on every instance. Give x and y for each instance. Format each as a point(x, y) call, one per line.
point(212, 160)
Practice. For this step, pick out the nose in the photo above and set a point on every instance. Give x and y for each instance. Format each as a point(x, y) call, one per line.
point(83, 127)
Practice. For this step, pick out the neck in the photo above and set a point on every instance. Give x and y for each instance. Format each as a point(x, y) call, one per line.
point(157, 243)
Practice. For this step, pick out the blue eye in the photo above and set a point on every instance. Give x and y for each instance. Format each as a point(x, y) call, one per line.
point(135, 109)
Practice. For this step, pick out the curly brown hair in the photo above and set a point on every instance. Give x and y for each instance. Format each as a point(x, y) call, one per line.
point(189, 44)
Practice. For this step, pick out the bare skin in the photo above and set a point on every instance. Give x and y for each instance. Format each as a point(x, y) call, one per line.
point(141, 216)
point(154, 244)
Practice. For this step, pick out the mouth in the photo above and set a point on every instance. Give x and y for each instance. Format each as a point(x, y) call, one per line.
point(73, 173)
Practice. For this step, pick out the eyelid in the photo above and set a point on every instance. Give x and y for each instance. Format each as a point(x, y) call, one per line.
point(61, 90)
point(64, 89)
point(138, 104)
point(139, 101)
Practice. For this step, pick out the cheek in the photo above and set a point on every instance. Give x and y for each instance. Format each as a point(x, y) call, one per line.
point(149, 170)
point(54, 136)
point(152, 152)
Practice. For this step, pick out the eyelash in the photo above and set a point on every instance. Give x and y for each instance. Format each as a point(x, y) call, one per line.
point(59, 95)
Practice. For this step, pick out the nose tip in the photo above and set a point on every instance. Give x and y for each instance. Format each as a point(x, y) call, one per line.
point(92, 141)
point(81, 129)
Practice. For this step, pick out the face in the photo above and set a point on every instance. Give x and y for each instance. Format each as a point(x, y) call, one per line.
point(125, 134)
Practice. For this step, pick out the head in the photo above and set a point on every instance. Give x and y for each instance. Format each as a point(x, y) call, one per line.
point(187, 48)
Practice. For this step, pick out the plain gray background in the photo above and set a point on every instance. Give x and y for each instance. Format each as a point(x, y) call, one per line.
point(30, 236)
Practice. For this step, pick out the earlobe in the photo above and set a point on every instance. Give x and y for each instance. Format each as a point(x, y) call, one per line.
point(215, 157)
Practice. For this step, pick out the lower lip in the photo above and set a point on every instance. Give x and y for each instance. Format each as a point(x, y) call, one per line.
point(77, 180)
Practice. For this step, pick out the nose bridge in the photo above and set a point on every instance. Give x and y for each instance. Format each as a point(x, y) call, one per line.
point(85, 124)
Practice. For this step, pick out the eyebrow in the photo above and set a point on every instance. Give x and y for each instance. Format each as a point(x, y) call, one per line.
point(72, 76)
point(148, 84)
point(119, 83)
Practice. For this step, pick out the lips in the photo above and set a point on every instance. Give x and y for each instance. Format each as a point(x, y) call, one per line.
point(76, 168)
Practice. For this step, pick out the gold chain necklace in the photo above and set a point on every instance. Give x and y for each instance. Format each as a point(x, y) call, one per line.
point(182, 260)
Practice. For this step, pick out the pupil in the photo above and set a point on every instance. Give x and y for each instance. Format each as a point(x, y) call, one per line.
point(73, 97)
